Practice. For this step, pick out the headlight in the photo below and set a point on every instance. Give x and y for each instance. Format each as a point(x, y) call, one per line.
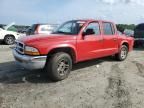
point(31, 51)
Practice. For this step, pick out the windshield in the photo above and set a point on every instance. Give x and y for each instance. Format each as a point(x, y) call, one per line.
point(70, 28)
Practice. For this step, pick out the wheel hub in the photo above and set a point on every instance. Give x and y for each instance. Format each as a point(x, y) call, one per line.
point(123, 53)
point(63, 67)
point(9, 40)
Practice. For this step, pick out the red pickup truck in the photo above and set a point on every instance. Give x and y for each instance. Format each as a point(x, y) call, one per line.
point(74, 41)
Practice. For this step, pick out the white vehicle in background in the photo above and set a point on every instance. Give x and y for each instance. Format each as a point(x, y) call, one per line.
point(41, 29)
point(8, 37)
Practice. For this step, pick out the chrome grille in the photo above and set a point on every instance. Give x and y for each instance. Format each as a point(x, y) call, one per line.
point(19, 47)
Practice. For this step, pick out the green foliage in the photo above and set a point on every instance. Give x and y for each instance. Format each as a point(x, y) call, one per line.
point(122, 27)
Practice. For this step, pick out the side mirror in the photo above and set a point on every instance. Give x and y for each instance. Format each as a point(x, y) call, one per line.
point(88, 32)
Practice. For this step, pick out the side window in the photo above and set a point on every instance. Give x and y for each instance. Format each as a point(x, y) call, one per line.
point(108, 28)
point(93, 28)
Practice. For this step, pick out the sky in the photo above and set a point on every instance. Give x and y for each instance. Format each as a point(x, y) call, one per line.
point(27, 12)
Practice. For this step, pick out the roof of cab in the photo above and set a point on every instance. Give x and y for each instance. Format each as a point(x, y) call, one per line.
point(91, 20)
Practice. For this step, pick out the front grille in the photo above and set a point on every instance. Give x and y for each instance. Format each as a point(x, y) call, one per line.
point(19, 47)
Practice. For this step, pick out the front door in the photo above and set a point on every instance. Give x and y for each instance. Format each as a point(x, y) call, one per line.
point(91, 44)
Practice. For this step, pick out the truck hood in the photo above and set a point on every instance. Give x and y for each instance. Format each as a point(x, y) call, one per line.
point(9, 25)
point(45, 38)
point(10, 32)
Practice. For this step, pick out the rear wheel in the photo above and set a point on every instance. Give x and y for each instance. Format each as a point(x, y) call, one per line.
point(122, 55)
point(9, 39)
point(59, 66)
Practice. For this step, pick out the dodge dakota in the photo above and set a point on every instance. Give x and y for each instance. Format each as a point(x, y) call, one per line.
point(72, 42)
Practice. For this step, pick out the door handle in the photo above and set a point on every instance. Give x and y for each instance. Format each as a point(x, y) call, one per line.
point(101, 40)
point(115, 39)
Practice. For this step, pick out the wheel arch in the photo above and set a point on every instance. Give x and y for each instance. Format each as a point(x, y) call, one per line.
point(69, 50)
point(10, 35)
point(126, 44)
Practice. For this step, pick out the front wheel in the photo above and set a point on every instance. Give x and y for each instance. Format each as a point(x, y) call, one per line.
point(9, 40)
point(59, 66)
point(122, 55)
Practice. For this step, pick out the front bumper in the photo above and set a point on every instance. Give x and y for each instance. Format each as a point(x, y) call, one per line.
point(30, 62)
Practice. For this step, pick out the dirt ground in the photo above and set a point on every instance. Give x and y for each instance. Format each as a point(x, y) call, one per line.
point(101, 83)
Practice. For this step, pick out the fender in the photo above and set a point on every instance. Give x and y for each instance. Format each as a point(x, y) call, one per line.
point(121, 43)
point(63, 46)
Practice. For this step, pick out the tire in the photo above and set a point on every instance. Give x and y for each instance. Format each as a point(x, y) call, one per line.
point(59, 66)
point(122, 55)
point(1, 42)
point(9, 39)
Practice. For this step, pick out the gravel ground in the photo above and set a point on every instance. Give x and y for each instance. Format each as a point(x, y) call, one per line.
point(101, 83)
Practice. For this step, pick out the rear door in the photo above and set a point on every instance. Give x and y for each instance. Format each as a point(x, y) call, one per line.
point(110, 38)
point(91, 44)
